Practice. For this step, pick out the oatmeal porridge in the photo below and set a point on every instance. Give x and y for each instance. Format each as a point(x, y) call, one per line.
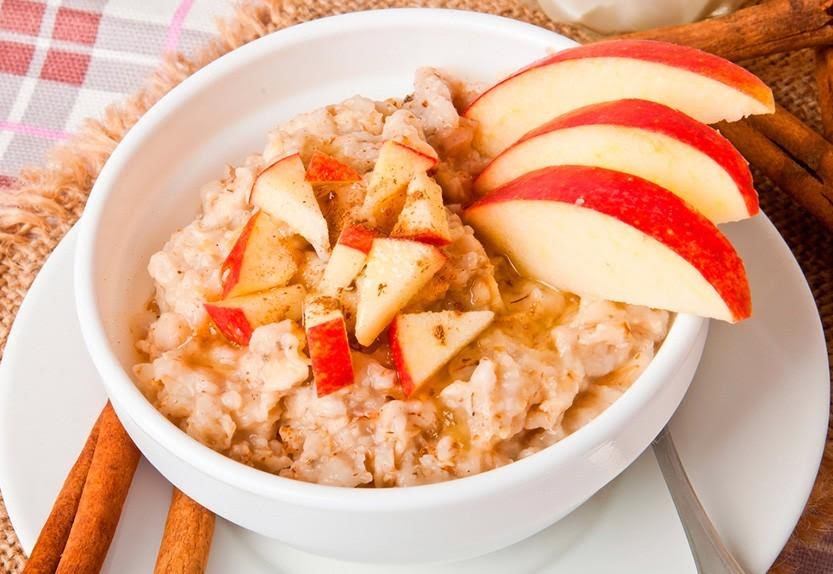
point(459, 364)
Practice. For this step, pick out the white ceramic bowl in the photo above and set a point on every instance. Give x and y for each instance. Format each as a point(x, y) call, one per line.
point(149, 187)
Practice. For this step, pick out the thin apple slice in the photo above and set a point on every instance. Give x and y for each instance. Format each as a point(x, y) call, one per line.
point(706, 87)
point(323, 168)
point(642, 138)
point(237, 318)
point(281, 191)
point(396, 165)
point(258, 260)
point(604, 233)
point(329, 348)
point(423, 216)
point(347, 260)
point(422, 343)
point(395, 271)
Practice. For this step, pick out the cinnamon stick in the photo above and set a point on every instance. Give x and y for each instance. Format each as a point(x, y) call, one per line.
point(111, 471)
point(767, 28)
point(824, 80)
point(802, 142)
point(53, 536)
point(186, 541)
point(787, 174)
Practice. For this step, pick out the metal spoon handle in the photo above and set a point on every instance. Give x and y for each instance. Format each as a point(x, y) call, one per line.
point(710, 554)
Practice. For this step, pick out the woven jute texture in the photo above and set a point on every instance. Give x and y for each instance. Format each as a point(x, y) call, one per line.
point(48, 200)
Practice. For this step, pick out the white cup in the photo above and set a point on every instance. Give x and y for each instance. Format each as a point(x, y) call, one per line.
point(629, 15)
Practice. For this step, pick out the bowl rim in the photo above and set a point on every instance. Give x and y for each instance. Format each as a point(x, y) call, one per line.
point(118, 383)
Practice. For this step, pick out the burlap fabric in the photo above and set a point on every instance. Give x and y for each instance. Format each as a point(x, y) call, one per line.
point(48, 200)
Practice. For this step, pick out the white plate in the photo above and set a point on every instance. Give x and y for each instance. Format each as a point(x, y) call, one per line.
point(750, 441)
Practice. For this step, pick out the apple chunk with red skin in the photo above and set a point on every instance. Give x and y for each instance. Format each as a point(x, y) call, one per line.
point(258, 260)
point(238, 317)
point(323, 168)
point(705, 87)
point(347, 259)
point(397, 164)
point(395, 271)
point(604, 233)
point(329, 348)
point(282, 191)
point(423, 216)
point(422, 343)
point(642, 138)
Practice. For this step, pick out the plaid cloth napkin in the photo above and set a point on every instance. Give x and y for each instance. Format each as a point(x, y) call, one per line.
point(64, 60)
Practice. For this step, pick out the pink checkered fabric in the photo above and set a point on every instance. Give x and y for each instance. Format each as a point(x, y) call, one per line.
point(64, 60)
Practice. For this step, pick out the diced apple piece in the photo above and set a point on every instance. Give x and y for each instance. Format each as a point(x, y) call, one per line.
point(706, 87)
point(357, 237)
point(323, 168)
point(422, 343)
point(423, 217)
point(237, 318)
point(421, 146)
point(642, 138)
point(395, 167)
point(258, 260)
point(329, 348)
point(395, 271)
point(347, 259)
point(281, 191)
point(604, 233)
